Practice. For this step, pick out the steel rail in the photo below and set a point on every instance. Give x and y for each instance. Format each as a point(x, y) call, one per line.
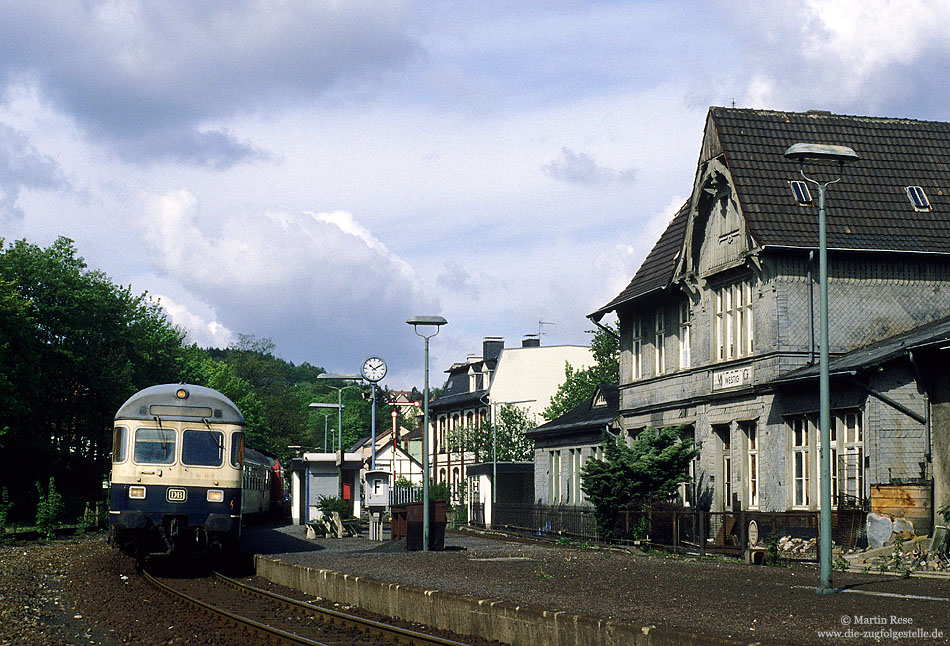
point(368, 626)
point(244, 622)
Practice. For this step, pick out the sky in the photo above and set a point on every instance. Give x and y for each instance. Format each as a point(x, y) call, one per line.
point(315, 173)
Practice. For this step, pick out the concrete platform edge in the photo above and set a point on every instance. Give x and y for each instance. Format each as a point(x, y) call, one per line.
point(503, 621)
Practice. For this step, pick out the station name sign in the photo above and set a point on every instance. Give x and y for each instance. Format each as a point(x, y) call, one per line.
point(732, 378)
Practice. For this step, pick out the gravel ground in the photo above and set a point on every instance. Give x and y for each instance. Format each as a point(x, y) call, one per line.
point(82, 592)
point(713, 596)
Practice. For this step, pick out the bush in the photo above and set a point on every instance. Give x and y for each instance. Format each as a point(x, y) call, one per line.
point(439, 491)
point(49, 508)
point(650, 469)
point(330, 504)
point(5, 506)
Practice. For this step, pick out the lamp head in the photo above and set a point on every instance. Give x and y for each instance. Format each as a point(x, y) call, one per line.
point(426, 320)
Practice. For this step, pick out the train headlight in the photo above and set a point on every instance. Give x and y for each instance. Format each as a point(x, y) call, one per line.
point(137, 493)
point(215, 495)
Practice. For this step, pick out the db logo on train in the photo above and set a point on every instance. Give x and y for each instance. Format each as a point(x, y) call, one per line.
point(176, 495)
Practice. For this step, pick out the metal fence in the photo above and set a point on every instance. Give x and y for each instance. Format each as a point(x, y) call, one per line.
point(402, 494)
point(545, 521)
point(790, 535)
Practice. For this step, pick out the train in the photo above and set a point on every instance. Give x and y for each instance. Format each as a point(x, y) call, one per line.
point(182, 479)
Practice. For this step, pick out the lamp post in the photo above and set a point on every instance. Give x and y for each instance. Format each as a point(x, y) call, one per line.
point(494, 445)
point(339, 406)
point(326, 416)
point(840, 155)
point(426, 322)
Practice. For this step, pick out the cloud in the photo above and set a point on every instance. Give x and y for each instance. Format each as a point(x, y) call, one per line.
point(456, 279)
point(874, 58)
point(22, 166)
point(141, 74)
point(206, 333)
point(580, 168)
point(317, 284)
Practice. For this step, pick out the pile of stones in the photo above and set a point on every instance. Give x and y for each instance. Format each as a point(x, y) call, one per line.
point(792, 546)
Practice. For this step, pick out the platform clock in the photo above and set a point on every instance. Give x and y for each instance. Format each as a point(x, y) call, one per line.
point(374, 369)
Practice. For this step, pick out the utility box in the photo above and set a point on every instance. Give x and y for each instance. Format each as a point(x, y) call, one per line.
point(377, 489)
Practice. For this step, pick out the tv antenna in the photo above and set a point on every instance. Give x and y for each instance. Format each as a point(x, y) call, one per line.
point(540, 324)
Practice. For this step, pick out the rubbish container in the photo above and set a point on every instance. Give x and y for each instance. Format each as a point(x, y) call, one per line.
point(407, 523)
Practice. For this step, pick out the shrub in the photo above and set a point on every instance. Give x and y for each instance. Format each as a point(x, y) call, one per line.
point(49, 508)
point(5, 506)
point(439, 492)
point(650, 469)
point(330, 504)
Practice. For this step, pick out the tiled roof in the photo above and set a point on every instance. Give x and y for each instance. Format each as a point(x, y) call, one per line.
point(876, 354)
point(656, 272)
point(585, 416)
point(869, 208)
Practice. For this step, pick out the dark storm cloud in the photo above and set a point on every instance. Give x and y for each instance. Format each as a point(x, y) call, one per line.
point(148, 76)
point(22, 166)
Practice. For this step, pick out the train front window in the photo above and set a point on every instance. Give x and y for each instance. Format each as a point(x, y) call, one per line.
point(202, 448)
point(154, 446)
point(120, 444)
point(237, 449)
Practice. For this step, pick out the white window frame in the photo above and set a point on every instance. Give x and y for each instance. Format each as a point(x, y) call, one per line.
point(637, 346)
point(659, 342)
point(799, 439)
point(685, 334)
point(554, 466)
point(852, 447)
point(753, 474)
point(733, 326)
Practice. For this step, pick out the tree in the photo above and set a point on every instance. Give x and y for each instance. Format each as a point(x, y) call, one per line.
point(506, 437)
point(650, 469)
point(74, 347)
point(579, 385)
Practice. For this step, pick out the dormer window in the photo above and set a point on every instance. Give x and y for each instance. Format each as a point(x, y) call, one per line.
point(801, 193)
point(918, 198)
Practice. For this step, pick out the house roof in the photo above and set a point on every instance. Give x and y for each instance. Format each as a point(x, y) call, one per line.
point(876, 354)
point(867, 211)
point(585, 417)
point(657, 269)
point(869, 208)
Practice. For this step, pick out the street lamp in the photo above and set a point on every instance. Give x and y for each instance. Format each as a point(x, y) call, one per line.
point(840, 155)
point(326, 416)
point(339, 406)
point(426, 322)
point(494, 444)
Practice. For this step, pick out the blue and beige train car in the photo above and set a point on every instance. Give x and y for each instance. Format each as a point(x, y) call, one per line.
point(178, 471)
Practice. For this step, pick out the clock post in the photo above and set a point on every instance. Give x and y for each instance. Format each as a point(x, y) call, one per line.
point(373, 370)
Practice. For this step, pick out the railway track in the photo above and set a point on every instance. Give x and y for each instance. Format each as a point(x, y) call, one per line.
point(278, 619)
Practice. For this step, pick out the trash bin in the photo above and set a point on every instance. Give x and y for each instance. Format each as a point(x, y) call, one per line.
point(407, 523)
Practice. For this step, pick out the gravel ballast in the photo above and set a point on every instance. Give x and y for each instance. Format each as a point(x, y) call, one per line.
point(80, 591)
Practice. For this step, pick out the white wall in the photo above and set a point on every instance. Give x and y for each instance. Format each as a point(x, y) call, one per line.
point(535, 373)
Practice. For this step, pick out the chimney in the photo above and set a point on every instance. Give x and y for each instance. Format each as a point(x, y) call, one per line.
point(492, 347)
point(531, 341)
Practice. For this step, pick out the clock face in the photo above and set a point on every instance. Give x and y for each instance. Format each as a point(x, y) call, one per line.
point(374, 369)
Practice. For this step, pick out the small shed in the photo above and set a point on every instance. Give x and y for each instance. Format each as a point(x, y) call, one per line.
point(515, 486)
point(317, 474)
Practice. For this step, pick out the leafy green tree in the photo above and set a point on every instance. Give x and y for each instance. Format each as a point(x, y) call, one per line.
point(579, 384)
point(650, 469)
point(74, 347)
point(507, 437)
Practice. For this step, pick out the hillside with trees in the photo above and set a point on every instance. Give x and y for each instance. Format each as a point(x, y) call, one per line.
point(74, 346)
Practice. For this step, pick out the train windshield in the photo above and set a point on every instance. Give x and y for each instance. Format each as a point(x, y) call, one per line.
point(202, 448)
point(154, 446)
point(120, 444)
